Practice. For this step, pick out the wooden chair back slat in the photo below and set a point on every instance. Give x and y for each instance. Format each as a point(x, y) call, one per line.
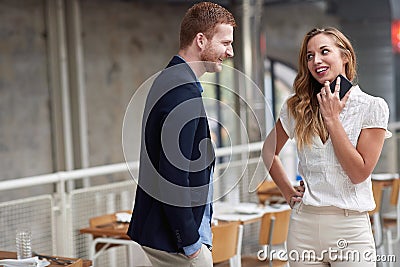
point(225, 238)
point(280, 229)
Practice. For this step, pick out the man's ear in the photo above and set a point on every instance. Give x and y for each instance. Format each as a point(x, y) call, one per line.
point(201, 40)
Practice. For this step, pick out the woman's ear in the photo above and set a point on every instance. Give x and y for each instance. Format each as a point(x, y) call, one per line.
point(346, 56)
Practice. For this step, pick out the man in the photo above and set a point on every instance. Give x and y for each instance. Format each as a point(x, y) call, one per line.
point(172, 214)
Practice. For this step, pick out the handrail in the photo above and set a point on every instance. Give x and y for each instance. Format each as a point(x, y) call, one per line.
point(251, 147)
point(63, 176)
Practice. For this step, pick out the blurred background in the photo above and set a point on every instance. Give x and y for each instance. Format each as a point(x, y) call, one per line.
point(68, 69)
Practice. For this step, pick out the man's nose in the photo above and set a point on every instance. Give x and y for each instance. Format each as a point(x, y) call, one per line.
point(229, 51)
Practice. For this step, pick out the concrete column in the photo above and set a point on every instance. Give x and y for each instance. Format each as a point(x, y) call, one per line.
point(58, 76)
point(77, 86)
point(248, 59)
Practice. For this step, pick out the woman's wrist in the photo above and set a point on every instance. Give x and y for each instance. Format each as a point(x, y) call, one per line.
point(295, 195)
point(331, 122)
point(290, 197)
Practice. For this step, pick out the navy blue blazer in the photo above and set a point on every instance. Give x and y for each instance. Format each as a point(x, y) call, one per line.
point(176, 158)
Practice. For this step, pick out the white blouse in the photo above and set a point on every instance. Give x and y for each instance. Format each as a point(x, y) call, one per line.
point(326, 182)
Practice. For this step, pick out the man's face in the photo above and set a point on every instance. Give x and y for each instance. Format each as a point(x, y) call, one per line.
point(218, 48)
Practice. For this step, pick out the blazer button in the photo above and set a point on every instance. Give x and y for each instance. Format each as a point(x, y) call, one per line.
point(178, 236)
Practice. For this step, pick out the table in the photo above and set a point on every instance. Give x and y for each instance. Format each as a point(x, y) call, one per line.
point(107, 232)
point(76, 262)
point(385, 178)
point(105, 236)
point(246, 213)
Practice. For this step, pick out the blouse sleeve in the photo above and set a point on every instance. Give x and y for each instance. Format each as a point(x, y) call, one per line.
point(377, 116)
point(288, 122)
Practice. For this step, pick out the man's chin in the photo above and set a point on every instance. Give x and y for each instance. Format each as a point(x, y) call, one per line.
point(213, 67)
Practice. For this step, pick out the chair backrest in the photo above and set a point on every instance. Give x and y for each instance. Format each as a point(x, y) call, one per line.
point(104, 219)
point(377, 190)
point(274, 227)
point(266, 185)
point(394, 196)
point(264, 190)
point(225, 240)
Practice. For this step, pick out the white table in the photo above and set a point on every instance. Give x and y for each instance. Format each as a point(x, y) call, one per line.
point(244, 212)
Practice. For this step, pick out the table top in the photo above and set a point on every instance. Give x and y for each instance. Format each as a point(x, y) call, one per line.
point(244, 212)
point(384, 176)
point(75, 263)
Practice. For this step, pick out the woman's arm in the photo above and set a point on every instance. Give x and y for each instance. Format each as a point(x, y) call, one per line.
point(273, 144)
point(358, 162)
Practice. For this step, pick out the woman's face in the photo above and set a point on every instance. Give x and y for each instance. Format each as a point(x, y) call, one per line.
point(324, 58)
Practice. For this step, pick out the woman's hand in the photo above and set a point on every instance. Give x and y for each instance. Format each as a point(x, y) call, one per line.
point(329, 103)
point(297, 196)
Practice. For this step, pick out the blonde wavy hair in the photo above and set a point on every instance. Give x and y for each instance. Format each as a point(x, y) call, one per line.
point(303, 105)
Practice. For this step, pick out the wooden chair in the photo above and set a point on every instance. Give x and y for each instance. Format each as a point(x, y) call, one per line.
point(382, 223)
point(102, 221)
point(227, 243)
point(375, 215)
point(390, 221)
point(273, 231)
point(267, 190)
point(105, 219)
point(394, 196)
point(377, 190)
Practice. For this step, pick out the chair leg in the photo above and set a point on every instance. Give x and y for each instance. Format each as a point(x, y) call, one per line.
point(239, 247)
point(233, 261)
point(377, 229)
point(389, 244)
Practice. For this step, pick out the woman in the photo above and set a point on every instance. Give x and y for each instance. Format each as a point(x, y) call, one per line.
point(338, 145)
